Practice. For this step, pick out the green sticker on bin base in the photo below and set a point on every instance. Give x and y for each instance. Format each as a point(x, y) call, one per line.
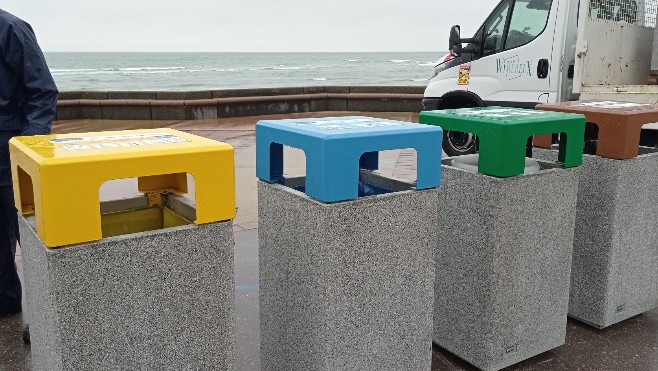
point(511, 348)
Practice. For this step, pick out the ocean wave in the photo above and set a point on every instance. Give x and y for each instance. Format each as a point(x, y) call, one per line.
point(150, 68)
point(319, 79)
point(351, 60)
point(419, 80)
point(161, 70)
point(425, 64)
point(114, 71)
point(399, 60)
point(54, 70)
point(91, 72)
point(142, 72)
point(277, 68)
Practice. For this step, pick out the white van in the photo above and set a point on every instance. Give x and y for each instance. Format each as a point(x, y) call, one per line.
point(542, 51)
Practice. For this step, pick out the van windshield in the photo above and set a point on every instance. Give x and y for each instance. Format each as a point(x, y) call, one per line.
point(494, 29)
point(528, 21)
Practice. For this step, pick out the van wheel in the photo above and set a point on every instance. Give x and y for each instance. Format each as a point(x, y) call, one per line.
point(456, 143)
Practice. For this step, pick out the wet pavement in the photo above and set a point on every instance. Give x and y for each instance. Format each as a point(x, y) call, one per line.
point(630, 345)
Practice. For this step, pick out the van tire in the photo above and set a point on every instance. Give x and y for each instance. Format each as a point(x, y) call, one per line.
point(458, 144)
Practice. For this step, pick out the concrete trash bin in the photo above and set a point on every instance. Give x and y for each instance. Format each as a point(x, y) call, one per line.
point(143, 282)
point(505, 243)
point(346, 282)
point(615, 262)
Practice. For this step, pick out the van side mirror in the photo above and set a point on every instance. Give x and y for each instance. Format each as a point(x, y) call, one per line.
point(456, 42)
point(455, 46)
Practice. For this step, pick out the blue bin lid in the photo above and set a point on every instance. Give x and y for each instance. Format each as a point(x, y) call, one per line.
point(335, 148)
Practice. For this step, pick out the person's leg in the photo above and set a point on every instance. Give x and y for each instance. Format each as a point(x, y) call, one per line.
point(10, 285)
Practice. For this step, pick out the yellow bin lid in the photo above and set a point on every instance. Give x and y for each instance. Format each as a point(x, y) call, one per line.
point(58, 176)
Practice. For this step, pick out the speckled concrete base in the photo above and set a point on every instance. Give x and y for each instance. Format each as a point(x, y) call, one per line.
point(503, 263)
point(615, 261)
point(159, 300)
point(346, 286)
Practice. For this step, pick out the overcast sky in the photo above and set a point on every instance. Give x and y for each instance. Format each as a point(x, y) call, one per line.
point(248, 25)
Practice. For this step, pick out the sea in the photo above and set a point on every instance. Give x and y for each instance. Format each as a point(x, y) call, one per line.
point(109, 71)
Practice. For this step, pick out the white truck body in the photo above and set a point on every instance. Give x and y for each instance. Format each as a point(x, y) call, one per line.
point(608, 50)
point(613, 59)
point(543, 51)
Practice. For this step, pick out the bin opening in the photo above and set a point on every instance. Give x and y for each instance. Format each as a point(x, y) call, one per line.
point(591, 138)
point(649, 135)
point(177, 183)
point(533, 166)
point(371, 183)
point(140, 220)
point(365, 189)
point(550, 140)
point(134, 205)
point(26, 189)
point(470, 163)
point(293, 167)
point(400, 163)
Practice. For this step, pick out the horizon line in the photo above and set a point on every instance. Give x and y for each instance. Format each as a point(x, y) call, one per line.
point(228, 52)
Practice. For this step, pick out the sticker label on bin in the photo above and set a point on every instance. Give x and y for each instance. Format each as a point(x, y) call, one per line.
point(501, 113)
point(608, 104)
point(115, 141)
point(348, 124)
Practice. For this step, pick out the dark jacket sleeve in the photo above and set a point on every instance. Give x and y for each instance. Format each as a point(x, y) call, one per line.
point(26, 59)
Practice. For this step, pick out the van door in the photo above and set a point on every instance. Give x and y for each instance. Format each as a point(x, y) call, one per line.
point(514, 61)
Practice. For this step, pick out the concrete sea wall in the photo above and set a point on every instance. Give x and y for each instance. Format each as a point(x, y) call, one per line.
point(208, 104)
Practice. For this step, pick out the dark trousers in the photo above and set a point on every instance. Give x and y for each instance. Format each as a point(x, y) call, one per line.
point(10, 285)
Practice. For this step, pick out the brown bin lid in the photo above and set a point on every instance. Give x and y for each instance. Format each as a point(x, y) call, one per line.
point(619, 123)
